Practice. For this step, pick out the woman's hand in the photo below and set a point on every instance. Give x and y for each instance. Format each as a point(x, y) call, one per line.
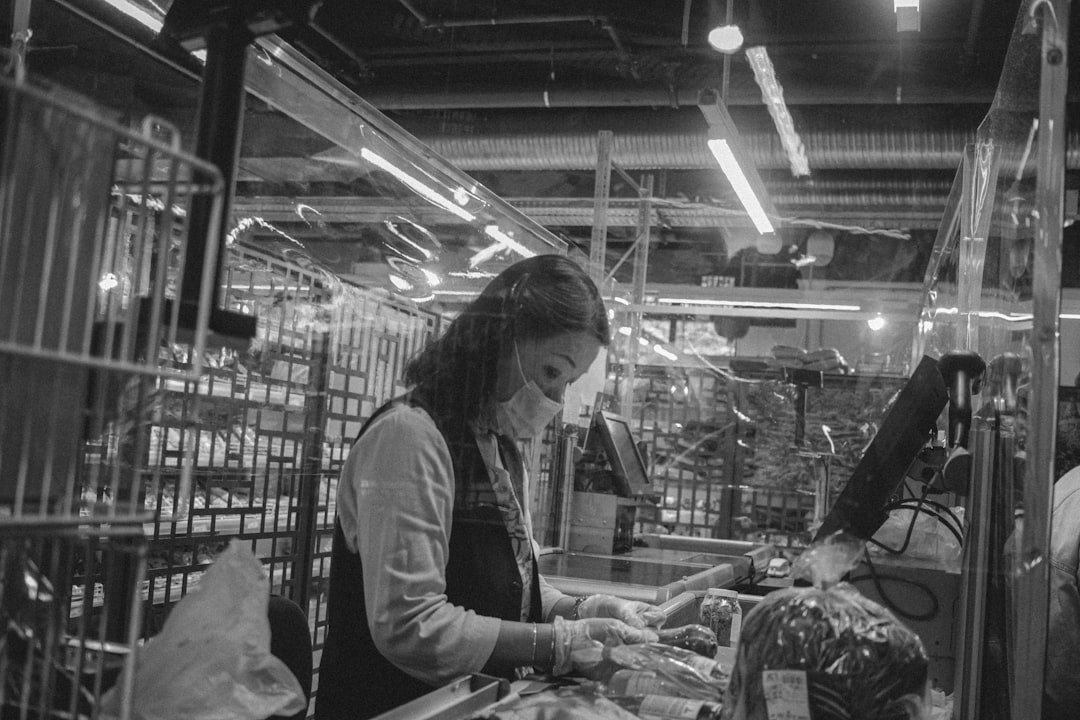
point(579, 644)
point(632, 612)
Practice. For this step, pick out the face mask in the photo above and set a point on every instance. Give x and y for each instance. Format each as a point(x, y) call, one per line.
point(528, 411)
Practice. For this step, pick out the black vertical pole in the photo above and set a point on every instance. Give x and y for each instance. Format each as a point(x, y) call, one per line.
point(220, 123)
point(315, 409)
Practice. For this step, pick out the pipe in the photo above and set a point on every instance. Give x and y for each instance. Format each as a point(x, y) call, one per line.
point(685, 149)
point(654, 95)
point(519, 20)
point(601, 20)
point(873, 149)
point(967, 55)
point(624, 55)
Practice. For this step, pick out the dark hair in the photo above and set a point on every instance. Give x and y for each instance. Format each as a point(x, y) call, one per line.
point(537, 298)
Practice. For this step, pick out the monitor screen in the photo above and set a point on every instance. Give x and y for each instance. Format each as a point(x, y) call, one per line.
point(908, 426)
point(631, 476)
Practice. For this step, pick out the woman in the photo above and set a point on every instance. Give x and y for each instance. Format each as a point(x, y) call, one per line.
point(434, 569)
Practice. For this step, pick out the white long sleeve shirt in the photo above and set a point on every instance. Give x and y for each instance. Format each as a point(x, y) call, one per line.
point(395, 503)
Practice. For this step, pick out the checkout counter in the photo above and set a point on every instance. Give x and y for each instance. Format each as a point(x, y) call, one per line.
point(604, 554)
point(661, 567)
point(601, 551)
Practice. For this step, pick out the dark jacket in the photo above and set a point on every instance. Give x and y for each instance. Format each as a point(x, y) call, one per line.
point(355, 680)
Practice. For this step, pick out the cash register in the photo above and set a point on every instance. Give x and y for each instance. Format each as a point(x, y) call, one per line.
point(610, 483)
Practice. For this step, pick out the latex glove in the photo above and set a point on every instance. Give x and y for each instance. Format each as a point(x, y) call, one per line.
point(579, 644)
point(632, 612)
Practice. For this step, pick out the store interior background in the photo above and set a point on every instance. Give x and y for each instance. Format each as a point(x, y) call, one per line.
point(514, 96)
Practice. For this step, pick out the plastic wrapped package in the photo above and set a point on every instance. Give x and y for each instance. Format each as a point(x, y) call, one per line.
point(655, 668)
point(567, 703)
point(212, 659)
point(826, 653)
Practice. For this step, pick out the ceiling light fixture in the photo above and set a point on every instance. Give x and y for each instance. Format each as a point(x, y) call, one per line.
point(761, 304)
point(908, 18)
point(740, 184)
point(773, 96)
point(415, 185)
point(726, 146)
point(726, 38)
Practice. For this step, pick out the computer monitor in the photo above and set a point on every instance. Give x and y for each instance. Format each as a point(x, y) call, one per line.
point(908, 426)
point(617, 441)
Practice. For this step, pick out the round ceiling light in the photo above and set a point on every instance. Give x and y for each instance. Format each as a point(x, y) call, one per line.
point(726, 38)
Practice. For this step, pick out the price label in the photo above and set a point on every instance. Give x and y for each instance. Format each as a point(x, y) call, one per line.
point(786, 696)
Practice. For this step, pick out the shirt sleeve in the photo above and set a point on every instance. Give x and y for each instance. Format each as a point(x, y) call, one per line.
point(395, 503)
point(549, 595)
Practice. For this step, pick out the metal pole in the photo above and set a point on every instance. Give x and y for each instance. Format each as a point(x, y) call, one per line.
point(564, 485)
point(1032, 575)
point(601, 194)
point(315, 410)
point(641, 268)
point(973, 580)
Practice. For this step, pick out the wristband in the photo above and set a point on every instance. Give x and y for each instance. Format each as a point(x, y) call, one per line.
point(574, 612)
point(553, 654)
point(534, 645)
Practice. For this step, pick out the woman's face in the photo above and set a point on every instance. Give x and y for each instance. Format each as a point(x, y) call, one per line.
point(552, 363)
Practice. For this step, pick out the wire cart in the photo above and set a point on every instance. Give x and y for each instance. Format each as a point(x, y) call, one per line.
point(93, 231)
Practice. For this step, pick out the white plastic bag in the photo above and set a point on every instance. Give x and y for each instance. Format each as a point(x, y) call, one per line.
point(211, 660)
point(930, 539)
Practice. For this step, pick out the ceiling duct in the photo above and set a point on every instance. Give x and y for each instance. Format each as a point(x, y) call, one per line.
point(827, 150)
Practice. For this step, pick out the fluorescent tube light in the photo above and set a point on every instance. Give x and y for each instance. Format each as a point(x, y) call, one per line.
point(415, 185)
point(137, 13)
point(740, 184)
point(761, 304)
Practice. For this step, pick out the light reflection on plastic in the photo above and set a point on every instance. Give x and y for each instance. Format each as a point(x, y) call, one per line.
point(301, 207)
point(503, 241)
point(399, 282)
point(248, 222)
point(433, 279)
point(665, 353)
point(415, 185)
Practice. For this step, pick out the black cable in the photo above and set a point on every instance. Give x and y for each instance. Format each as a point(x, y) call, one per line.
point(910, 530)
point(948, 519)
point(941, 506)
point(933, 508)
point(876, 577)
point(955, 529)
point(934, 504)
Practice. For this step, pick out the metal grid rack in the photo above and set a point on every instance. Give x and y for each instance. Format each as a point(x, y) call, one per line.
point(271, 426)
point(92, 238)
